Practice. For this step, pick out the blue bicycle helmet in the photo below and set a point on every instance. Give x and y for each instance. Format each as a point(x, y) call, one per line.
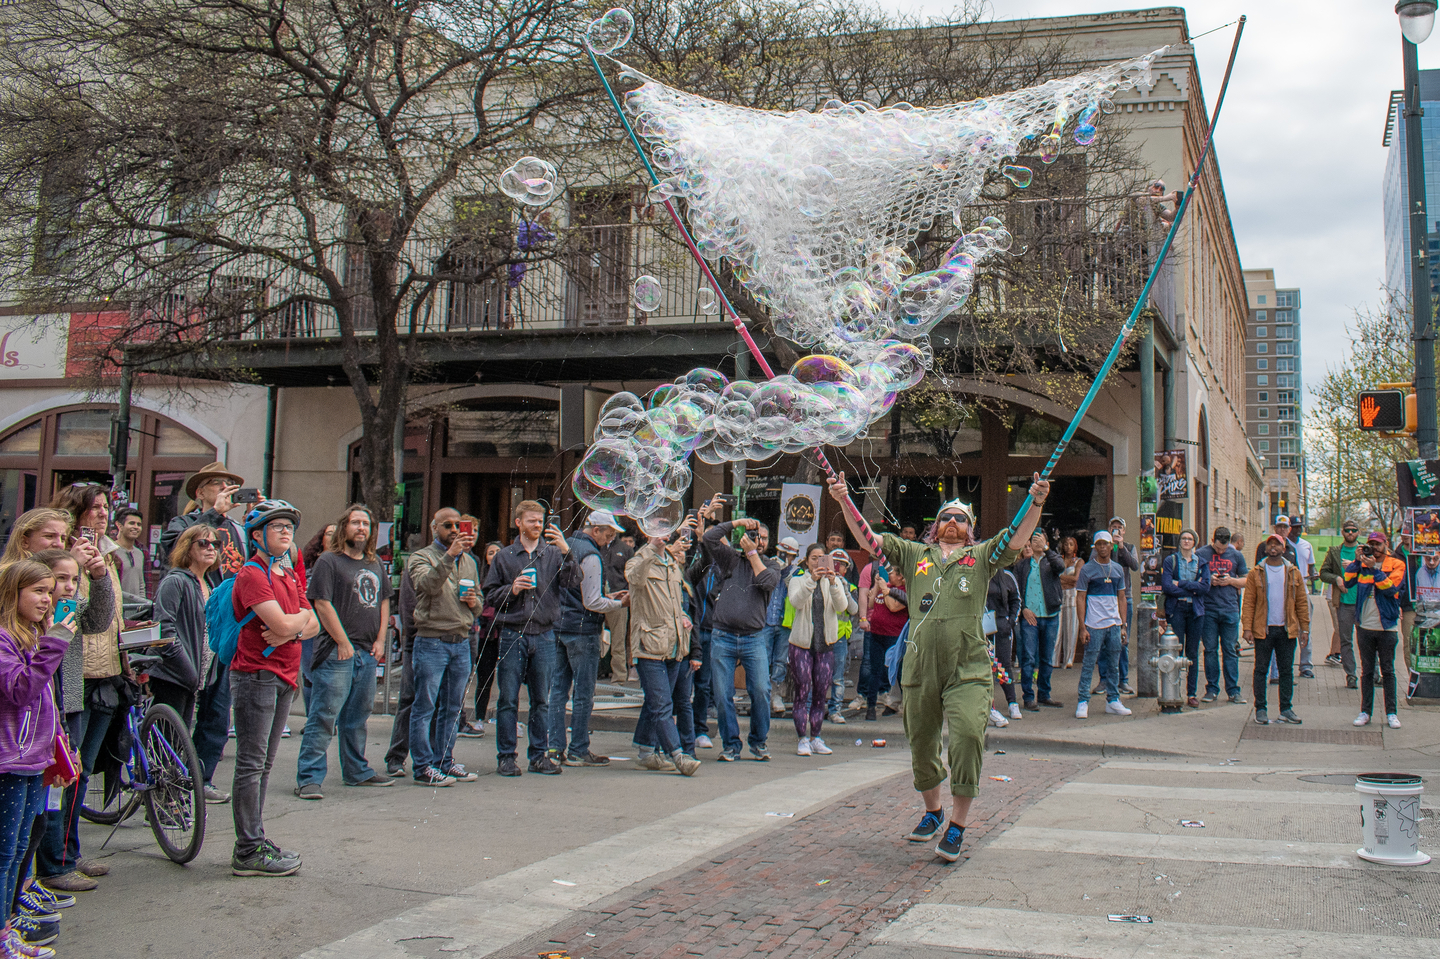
point(265, 512)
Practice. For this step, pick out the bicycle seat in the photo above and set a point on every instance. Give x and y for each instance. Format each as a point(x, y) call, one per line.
point(142, 661)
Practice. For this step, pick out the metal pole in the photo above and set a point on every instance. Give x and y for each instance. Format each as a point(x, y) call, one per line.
point(1147, 398)
point(271, 396)
point(120, 432)
point(1426, 434)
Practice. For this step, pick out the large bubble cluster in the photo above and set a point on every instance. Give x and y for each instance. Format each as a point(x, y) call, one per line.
point(638, 462)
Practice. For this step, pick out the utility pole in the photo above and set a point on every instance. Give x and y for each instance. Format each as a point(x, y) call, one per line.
point(1426, 433)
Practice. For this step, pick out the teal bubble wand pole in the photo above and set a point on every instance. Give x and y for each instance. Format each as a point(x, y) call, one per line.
point(1134, 317)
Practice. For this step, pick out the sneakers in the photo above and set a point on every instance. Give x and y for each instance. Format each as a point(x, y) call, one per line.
point(1051, 702)
point(703, 742)
point(471, 731)
point(285, 733)
point(1362, 720)
point(35, 932)
point(1307, 673)
point(949, 847)
point(1288, 716)
point(381, 781)
point(725, 757)
point(857, 704)
point(545, 766)
point(92, 868)
point(1333, 660)
point(818, 747)
point(14, 946)
point(1351, 682)
point(430, 776)
point(836, 718)
point(587, 758)
point(1393, 720)
point(1209, 697)
point(214, 796)
point(265, 861)
point(1126, 690)
point(1015, 710)
point(1117, 708)
point(309, 791)
point(777, 705)
point(998, 720)
point(869, 714)
point(507, 766)
point(71, 882)
point(1238, 700)
point(889, 711)
point(28, 905)
point(688, 765)
point(48, 897)
point(656, 763)
point(802, 748)
point(1083, 710)
point(457, 772)
point(929, 825)
point(395, 772)
point(1262, 717)
point(761, 755)
point(1032, 706)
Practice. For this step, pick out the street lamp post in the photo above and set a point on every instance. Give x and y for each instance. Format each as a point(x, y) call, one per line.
point(1417, 19)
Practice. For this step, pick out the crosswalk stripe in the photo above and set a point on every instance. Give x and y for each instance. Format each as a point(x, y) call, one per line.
point(1144, 845)
point(1224, 769)
point(986, 931)
point(1289, 797)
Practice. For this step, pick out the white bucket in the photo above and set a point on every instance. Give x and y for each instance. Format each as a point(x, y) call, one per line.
point(1390, 818)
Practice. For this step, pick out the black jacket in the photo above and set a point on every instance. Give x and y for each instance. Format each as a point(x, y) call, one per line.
point(180, 611)
point(744, 595)
point(232, 541)
point(533, 610)
point(1003, 599)
point(1051, 566)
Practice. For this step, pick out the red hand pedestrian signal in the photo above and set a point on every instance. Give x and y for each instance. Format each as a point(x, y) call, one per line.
point(1382, 411)
point(1369, 409)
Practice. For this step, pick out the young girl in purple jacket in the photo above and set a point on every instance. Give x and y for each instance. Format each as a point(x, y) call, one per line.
point(29, 656)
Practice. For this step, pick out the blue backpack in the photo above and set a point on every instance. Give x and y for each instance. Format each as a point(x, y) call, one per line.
point(895, 656)
point(221, 625)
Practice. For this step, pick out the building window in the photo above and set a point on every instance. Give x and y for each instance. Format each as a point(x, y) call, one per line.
point(1287, 429)
point(1263, 412)
point(1283, 364)
point(1285, 349)
point(1262, 396)
point(1260, 298)
point(1263, 429)
point(1285, 413)
point(1262, 381)
point(1287, 446)
point(1285, 332)
point(1262, 347)
point(1262, 364)
point(1262, 330)
point(1264, 446)
point(1284, 381)
point(1285, 396)
point(1287, 462)
point(1287, 299)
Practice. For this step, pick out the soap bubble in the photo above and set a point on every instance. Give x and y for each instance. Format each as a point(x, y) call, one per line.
point(611, 32)
point(648, 294)
point(822, 369)
point(531, 180)
point(706, 300)
point(1021, 176)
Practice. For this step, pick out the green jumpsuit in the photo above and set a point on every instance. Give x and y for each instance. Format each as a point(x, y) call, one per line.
point(947, 664)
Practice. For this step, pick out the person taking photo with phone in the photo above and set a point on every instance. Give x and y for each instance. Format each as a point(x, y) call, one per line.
point(819, 596)
point(1377, 578)
point(212, 493)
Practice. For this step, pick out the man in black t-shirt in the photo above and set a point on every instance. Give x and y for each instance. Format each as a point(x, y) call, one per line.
point(350, 592)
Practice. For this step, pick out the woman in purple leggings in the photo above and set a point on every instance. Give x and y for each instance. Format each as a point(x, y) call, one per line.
point(819, 596)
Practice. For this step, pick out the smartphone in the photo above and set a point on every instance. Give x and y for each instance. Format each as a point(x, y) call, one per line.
point(467, 528)
point(246, 494)
point(63, 608)
point(728, 499)
point(89, 535)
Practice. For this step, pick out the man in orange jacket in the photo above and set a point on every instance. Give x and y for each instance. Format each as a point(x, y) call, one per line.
point(1275, 618)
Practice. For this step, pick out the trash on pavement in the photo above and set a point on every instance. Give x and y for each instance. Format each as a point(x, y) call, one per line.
point(822, 882)
point(1001, 779)
point(878, 743)
point(999, 752)
point(1193, 823)
point(1115, 918)
point(562, 882)
point(782, 815)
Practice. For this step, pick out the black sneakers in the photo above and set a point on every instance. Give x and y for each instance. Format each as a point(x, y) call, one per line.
point(1262, 717)
point(509, 767)
point(929, 825)
point(587, 758)
point(266, 861)
point(545, 766)
point(949, 847)
point(430, 776)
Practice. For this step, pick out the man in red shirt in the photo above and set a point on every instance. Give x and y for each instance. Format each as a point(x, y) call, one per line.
point(269, 600)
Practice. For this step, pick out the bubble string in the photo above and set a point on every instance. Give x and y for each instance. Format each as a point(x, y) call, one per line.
point(872, 541)
point(1134, 317)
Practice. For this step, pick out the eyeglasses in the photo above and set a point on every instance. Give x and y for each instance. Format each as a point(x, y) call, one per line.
point(207, 543)
point(281, 527)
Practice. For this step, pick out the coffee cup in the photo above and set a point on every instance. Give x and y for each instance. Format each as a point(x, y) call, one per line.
point(531, 577)
point(465, 586)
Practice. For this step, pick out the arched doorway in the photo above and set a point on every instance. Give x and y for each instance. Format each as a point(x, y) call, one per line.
point(71, 444)
point(1204, 477)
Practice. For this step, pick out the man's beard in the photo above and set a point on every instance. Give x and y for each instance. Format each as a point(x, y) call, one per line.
point(357, 542)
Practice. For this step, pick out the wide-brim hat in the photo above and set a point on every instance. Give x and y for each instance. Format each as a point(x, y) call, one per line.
point(215, 470)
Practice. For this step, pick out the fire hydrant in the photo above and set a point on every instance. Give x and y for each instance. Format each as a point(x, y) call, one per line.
point(1170, 659)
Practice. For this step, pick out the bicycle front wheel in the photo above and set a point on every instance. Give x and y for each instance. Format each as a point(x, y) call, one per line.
point(94, 807)
point(176, 797)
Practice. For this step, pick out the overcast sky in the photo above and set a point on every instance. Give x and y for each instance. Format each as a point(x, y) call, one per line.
point(1298, 141)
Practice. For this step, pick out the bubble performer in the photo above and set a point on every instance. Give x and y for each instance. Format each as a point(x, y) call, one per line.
point(946, 675)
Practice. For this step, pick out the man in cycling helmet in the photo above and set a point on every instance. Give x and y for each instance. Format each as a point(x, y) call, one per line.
point(263, 677)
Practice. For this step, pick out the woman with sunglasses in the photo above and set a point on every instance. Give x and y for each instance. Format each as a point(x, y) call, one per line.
point(946, 675)
point(180, 610)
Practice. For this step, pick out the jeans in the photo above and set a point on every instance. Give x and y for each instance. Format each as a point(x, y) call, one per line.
point(876, 646)
point(700, 703)
point(777, 639)
point(442, 671)
point(22, 798)
point(1104, 640)
point(577, 660)
point(657, 729)
point(1346, 621)
point(1190, 630)
point(400, 726)
point(307, 652)
point(212, 721)
point(841, 649)
point(862, 682)
point(60, 848)
point(527, 658)
point(486, 659)
point(262, 701)
point(1129, 631)
point(1222, 627)
point(1037, 645)
point(1373, 643)
point(1279, 642)
point(753, 652)
point(342, 695)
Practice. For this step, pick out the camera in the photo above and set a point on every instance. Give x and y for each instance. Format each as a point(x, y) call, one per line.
point(1367, 550)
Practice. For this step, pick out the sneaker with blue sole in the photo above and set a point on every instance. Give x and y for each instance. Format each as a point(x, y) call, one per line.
point(949, 847)
point(52, 899)
point(929, 825)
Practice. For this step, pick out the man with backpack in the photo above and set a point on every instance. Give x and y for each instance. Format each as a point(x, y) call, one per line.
point(272, 616)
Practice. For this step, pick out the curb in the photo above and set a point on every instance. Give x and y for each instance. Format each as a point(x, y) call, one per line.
point(1104, 750)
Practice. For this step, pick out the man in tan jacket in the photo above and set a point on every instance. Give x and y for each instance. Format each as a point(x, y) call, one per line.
point(1275, 618)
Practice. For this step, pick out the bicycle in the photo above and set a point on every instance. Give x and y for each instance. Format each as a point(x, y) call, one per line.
point(162, 771)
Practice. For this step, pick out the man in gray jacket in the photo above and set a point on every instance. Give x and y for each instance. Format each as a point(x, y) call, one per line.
point(444, 613)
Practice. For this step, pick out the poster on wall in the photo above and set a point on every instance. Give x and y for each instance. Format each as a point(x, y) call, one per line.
point(1149, 555)
point(800, 513)
point(1171, 476)
point(1423, 526)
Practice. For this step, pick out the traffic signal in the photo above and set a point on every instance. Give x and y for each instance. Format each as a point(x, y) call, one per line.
point(1382, 411)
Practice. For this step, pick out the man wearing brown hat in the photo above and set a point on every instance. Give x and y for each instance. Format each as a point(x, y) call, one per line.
point(210, 491)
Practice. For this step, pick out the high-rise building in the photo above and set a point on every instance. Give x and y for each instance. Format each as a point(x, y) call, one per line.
point(1274, 417)
point(1397, 187)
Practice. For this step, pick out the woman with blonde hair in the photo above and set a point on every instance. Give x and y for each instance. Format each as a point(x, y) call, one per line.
point(38, 529)
point(180, 610)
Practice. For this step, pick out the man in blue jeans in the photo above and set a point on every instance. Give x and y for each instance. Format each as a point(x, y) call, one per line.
point(577, 640)
point(1221, 623)
point(738, 636)
point(524, 585)
point(443, 575)
point(350, 593)
point(1038, 572)
point(1100, 603)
